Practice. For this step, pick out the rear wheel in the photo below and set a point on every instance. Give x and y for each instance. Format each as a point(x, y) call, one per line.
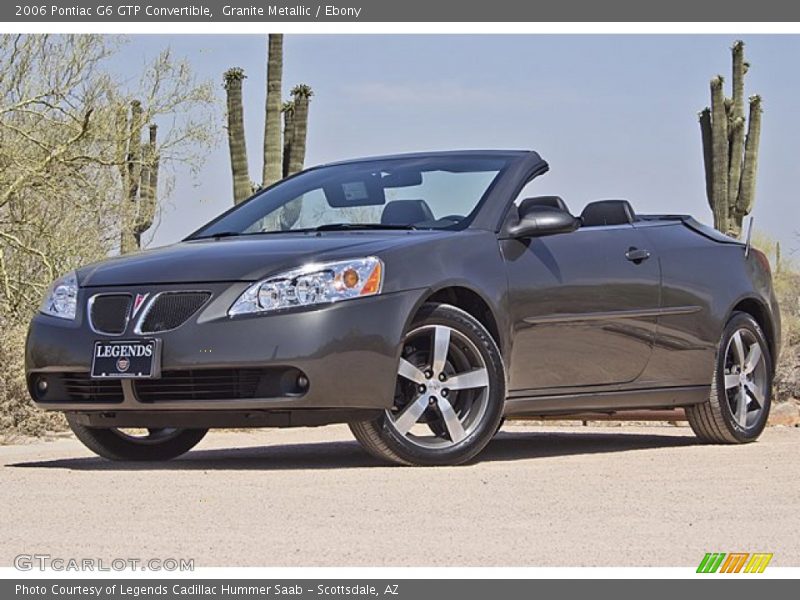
point(449, 394)
point(741, 390)
point(136, 444)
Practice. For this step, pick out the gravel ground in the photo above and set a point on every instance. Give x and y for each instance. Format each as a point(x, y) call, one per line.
point(539, 496)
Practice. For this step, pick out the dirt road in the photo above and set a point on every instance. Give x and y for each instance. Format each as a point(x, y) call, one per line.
point(539, 496)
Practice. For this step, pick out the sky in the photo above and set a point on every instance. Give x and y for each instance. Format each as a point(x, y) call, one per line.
point(614, 116)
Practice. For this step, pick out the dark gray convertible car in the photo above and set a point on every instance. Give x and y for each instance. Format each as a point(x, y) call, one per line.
point(419, 298)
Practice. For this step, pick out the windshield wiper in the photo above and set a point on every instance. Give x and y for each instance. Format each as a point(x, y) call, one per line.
point(220, 234)
point(326, 227)
point(354, 226)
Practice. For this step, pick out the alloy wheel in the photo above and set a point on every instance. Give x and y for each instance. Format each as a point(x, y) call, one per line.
point(442, 388)
point(746, 378)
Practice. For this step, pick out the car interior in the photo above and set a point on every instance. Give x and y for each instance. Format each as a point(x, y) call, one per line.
point(595, 214)
point(406, 212)
point(598, 213)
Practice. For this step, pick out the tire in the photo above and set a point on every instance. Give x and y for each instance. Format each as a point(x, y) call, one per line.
point(454, 423)
point(115, 444)
point(722, 419)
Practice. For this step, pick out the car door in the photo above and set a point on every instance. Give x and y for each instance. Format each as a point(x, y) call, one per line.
point(583, 307)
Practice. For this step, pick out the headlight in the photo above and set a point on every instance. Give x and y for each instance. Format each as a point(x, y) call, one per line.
point(61, 298)
point(320, 283)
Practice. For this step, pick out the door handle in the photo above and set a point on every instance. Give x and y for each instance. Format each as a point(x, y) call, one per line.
point(637, 255)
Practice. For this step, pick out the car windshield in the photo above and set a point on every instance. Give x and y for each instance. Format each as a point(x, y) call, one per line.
point(437, 192)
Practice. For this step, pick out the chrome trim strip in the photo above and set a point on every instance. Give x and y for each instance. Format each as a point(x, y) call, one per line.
point(90, 303)
point(613, 314)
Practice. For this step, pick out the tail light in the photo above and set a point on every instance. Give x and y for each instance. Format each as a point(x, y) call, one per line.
point(762, 260)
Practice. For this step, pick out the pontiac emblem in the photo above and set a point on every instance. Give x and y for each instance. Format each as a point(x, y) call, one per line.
point(137, 303)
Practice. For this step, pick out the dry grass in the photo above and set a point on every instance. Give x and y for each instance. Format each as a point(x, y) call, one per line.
point(18, 415)
point(787, 376)
point(786, 280)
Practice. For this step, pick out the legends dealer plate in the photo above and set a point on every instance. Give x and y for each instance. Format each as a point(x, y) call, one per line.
point(126, 359)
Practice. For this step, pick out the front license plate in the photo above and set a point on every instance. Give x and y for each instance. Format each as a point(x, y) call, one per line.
point(126, 359)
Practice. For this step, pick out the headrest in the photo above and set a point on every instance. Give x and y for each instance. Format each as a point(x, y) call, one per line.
point(406, 212)
point(607, 212)
point(551, 201)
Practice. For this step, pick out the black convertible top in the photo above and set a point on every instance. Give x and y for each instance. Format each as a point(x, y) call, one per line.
point(436, 153)
point(695, 225)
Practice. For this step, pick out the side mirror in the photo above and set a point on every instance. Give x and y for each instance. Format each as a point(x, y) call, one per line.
point(537, 221)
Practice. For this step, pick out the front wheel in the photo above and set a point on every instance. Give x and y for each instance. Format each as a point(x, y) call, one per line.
point(449, 394)
point(738, 406)
point(136, 444)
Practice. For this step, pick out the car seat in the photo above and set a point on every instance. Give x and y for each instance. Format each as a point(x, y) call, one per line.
point(406, 212)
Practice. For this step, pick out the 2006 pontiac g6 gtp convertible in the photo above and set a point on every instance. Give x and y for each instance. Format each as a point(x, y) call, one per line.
point(419, 298)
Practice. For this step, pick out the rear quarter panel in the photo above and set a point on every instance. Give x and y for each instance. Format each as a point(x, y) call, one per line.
point(712, 278)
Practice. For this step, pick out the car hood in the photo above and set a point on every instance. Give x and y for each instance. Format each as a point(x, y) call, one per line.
point(245, 258)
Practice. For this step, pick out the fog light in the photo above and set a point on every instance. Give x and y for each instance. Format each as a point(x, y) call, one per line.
point(41, 386)
point(302, 382)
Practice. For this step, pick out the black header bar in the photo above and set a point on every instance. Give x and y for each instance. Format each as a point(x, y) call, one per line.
point(440, 11)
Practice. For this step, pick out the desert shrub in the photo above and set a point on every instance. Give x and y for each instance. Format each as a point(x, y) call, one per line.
point(787, 376)
point(65, 174)
point(786, 280)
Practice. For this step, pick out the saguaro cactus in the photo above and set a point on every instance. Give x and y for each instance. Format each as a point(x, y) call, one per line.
point(288, 134)
point(148, 189)
point(278, 161)
point(138, 165)
point(301, 95)
point(272, 165)
point(730, 159)
point(236, 139)
point(294, 149)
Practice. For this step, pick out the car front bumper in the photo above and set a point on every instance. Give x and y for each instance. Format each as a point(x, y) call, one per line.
point(347, 351)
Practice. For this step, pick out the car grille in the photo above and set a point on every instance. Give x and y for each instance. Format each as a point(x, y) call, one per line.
point(169, 310)
point(204, 384)
point(108, 313)
point(81, 388)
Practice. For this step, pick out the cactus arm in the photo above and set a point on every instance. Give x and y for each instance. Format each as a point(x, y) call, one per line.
point(737, 54)
point(301, 94)
point(154, 167)
point(719, 144)
point(297, 151)
point(288, 134)
point(747, 188)
point(148, 197)
point(273, 165)
point(236, 136)
point(705, 132)
point(135, 149)
point(121, 151)
point(735, 171)
point(132, 169)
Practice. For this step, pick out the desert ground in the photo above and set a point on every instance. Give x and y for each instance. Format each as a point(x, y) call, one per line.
point(538, 495)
